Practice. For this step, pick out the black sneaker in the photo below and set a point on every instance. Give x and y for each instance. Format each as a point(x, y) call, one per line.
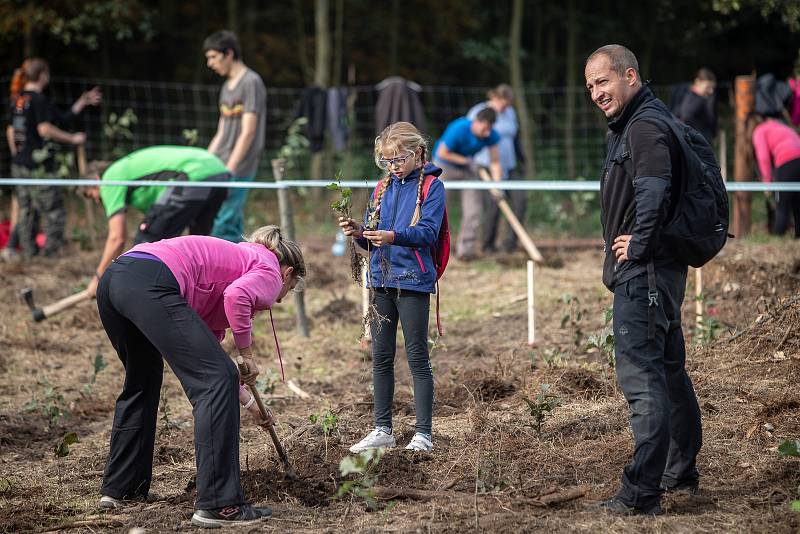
point(616, 506)
point(234, 515)
point(688, 487)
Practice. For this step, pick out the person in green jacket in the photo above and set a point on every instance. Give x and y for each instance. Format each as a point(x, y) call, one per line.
point(168, 210)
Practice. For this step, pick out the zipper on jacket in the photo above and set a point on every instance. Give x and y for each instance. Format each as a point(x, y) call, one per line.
point(419, 259)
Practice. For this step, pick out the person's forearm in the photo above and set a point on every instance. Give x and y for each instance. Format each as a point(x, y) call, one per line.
point(12, 146)
point(50, 131)
point(452, 157)
point(243, 143)
point(112, 249)
point(496, 170)
point(213, 146)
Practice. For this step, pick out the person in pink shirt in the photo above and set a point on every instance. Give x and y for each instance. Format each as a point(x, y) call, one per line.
point(776, 147)
point(174, 300)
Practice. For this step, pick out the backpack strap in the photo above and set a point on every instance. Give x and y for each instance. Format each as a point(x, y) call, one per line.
point(426, 186)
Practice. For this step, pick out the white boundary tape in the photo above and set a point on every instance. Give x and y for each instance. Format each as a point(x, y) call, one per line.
point(515, 185)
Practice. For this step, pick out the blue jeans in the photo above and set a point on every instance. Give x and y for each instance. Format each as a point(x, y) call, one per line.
point(229, 223)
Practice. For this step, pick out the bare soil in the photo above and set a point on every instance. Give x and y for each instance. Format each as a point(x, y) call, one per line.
point(490, 469)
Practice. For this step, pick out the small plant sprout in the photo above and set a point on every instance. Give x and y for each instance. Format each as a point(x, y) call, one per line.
point(50, 405)
point(363, 464)
point(791, 447)
point(166, 414)
point(573, 317)
point(708, 327)
point(329, 422)
point(62, 447)
point(343, 206)
point(552, 357)
point(98, 364)
point(604, 340)
point(541, 407)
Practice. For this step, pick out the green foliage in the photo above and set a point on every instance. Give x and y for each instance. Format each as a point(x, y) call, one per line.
point(165, 411)
point(788, 10)
point(344, 204)
point(790, 447)
point(62, 447)
point(119, 131)
point(604, 340)
point(50, 405)
point(190, 136)
point(363, 464)
point(295, 146)
point(552, 357)
point(541, 407)
point(329, 422)
point(707, 331)
point(98, 364)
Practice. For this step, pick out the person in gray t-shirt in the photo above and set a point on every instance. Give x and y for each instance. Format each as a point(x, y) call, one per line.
point(239, 139)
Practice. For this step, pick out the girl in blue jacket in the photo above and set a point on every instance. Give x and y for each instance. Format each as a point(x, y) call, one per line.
point(403, 275)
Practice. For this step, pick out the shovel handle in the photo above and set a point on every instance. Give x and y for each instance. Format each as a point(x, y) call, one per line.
point(261, 408)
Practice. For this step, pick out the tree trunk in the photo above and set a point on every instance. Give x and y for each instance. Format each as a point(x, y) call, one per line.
point(569, 126)
point(394, 30)
point(525, 124)
point(338, 48)
point(302, 52)
point(233, 18)
point(743, 163)
point(322, 78)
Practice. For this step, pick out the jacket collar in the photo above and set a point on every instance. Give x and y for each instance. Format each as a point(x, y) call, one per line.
point(618, 123)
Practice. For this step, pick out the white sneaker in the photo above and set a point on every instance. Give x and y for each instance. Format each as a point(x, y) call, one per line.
point(420, 442)
point(374, 440)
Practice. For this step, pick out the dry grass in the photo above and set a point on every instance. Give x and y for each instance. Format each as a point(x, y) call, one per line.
point(746, 386)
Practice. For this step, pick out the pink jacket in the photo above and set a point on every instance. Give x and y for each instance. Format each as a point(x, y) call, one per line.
point(225, 283)
point(775, 144)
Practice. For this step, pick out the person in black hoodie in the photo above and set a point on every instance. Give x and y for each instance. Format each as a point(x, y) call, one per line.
point(639, 188)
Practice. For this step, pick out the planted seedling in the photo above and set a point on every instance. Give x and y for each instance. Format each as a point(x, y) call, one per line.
point(541, 407)
point(363, 464)
point(791, 447)
point(603, 341)
point(573, 317)
point(328, 422)
point(98, 364)
point(50, 405)
point(62, 447)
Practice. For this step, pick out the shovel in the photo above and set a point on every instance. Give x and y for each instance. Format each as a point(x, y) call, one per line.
point(288, 468)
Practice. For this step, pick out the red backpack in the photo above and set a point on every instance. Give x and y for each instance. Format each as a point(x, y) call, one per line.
point(440, 250)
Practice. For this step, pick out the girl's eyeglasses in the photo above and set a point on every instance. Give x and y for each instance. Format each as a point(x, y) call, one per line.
point(385, 163)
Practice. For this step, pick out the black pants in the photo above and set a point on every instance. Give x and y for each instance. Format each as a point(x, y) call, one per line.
point(410, 309)
point(179, 208)
point(518, 201)
point(788, 201)
point(146, 317)
point(665, 417)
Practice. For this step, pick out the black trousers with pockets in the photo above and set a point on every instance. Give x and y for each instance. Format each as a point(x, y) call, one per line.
point(664, 414)
point(145, 317)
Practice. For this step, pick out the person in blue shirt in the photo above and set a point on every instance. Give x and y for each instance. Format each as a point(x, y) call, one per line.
point(512, 160)
point(454, 153)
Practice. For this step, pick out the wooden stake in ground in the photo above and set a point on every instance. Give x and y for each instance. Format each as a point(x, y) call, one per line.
point(508, 213)
point(742, 164)
point(531, 312)
point(88, 205)
point(698, 297)
point(287, 228)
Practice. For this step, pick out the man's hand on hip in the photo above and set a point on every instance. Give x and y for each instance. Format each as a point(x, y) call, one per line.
point(620, 247)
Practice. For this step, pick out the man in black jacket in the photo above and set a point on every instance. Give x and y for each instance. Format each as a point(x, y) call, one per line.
point(639, 188)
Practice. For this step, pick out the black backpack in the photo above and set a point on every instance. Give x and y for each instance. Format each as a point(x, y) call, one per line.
point(698, 228)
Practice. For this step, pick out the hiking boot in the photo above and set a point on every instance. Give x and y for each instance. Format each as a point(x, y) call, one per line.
point(616, 506)
point(110, 503)
point(376, 439)
point(688, 487)
point(420, 442)
point(234, 515)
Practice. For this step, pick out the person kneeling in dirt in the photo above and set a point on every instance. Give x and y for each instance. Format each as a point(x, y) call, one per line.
point(176, 298)
point(169, 210)
point(637, 198)
point(403, 275)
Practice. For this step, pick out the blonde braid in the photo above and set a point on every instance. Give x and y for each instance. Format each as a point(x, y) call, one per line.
point(382, 189)
point(418, 208)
